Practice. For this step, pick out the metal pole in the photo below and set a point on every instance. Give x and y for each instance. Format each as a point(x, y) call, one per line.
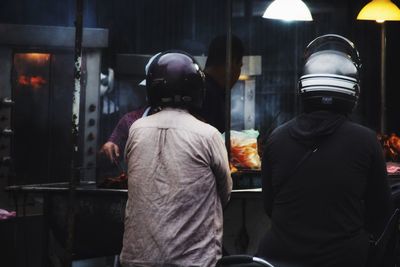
point(295, 70)
point(383, 78)
point(228, 77)
point(75, 171)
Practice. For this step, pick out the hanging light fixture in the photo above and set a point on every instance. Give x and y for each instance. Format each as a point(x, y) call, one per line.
point(288, 10)
point(381, 11)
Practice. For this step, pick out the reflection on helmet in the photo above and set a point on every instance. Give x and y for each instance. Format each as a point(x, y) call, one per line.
point(330, 79)
point(175, 79)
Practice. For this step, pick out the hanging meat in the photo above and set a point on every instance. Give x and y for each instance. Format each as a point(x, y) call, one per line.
point(118, 182)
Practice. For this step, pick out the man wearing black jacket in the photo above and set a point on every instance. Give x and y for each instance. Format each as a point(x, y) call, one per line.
point(213, 111)
point(324, 177)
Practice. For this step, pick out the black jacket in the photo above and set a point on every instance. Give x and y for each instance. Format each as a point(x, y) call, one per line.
point(213, 111)
point(323, 212)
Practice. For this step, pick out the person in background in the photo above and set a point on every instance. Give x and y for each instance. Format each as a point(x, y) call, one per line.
point(178, 173)
point(324, 178)
point(213, 111)
point(115, 144)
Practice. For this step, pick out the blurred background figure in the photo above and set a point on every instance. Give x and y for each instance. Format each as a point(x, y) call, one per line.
point(115, 145)
point(213, 110)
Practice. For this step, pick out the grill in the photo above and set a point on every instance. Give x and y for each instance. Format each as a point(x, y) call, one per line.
point(37, 84)
point(37, 77)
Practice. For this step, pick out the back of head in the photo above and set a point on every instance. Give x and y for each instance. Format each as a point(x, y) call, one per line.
point(330, 78)
point(174, 79)
point(217, 51)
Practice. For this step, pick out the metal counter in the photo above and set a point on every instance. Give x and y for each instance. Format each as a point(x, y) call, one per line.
point(100, 216)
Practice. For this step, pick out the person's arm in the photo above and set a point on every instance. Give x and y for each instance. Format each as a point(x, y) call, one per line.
point(116, 142)
point(378, 201)
point(220, 168)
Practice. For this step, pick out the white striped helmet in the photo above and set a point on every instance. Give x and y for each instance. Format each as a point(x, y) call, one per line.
point(330, 79)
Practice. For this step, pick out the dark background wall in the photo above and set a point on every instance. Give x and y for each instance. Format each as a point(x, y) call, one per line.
point(150, 26)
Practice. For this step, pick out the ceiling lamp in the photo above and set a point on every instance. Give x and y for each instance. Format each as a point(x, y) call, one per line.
point(379, 10)
point(288, 10)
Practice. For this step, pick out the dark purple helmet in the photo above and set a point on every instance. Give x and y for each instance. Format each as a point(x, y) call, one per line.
point(330, 79)
point(174, 79)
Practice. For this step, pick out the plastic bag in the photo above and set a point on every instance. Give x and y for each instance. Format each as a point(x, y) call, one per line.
point(244, 152)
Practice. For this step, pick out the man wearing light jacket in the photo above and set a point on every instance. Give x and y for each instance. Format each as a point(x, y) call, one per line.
point(178, 173)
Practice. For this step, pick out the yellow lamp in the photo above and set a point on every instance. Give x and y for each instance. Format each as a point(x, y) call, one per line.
point(381, 11)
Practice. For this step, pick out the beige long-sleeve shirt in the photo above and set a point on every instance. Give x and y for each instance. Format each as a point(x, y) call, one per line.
point(178, 182)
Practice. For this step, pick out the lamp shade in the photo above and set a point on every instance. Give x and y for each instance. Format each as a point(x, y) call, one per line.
point(379, 10)
point(288, 10)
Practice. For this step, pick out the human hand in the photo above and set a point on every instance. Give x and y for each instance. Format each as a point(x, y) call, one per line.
point(111, 150)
